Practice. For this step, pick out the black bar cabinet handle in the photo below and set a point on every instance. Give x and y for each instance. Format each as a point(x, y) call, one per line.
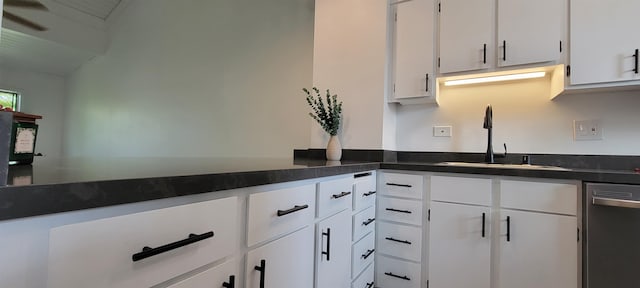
point(399, 241)
point(295, 208)
point(328, 252)
point(397, 276)
point(484, 54)
point(504, 50)
point(362, 175)
point(263, 270)
point(336, 196)
point(635, 55)
point(483, 220)
point(369, 221)
point(148, 251)
point(370, 284)
point(231, 283)
point(427, 83)
point(508, 229)
point(369, 252)
point(368, 193)
point(399, 211)
point(399, 185)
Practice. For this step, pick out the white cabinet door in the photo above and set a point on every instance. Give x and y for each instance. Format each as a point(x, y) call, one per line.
point(333, 251)
point(459, 255)
point(223, 274)
point(414, 49)
point(283, 263)
point(541, 250)
point(466, 37)
point(604, 38)
point(530, 31)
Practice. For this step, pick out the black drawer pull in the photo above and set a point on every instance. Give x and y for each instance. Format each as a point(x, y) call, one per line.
point(328, 234)
point(483, 225)
point(426, 83)
point(231, 283)
point(484, 54)
point(508, 228)
point(635, 55)
point(368, 193)
point(362, 175)
point(295, 208)
point(399, 185)
point(369, 252)
point(370, 284)
point(504, 50)
point(397, 276)
point(399, 211)
point(369, 221)
point(148, 251)
point(263, 270)
point(399, 241)
point(336, 196)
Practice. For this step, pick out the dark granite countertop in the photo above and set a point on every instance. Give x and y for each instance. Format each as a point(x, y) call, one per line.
point(58, 185)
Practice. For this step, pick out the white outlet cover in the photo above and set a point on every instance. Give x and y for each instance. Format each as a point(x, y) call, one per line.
point(442, 131)
point(587, 130)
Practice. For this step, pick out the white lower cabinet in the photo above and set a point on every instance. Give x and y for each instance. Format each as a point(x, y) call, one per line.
point(393, 273)
point(142, 249)
point(283, 263)
point(533, 242)
point(363, 254)
point(223, 275)
point(366, 279)
point(539, 252)
point(459, 251)
point(333, 251)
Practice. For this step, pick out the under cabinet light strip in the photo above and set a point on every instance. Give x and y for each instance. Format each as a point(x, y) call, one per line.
point(495, 78)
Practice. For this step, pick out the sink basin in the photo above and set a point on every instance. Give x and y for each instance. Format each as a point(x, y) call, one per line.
point(500, 165)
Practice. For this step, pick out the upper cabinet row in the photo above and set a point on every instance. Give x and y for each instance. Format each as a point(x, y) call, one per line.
point(452, 37)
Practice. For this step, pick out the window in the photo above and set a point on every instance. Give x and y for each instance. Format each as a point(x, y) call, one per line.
point(9, 99)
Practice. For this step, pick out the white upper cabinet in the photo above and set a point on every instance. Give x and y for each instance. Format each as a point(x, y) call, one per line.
point(530, 31)
point(466, 38)
point(414, 49)
point(491, 34)
point(604, 41)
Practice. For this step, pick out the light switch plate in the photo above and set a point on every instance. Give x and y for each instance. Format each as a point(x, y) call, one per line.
point(587, 130)
point(442, 131)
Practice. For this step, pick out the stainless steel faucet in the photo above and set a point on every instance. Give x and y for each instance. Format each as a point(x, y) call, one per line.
point(488, 124)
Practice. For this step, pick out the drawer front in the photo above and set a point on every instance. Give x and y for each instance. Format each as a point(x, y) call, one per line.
point(364, 222)
point(264, 223)
point(392, 273)
point(366, 279)
point(538, 196)
point(100, 253)
point(461, 190)
point(400, 210)
point(334, 196)
point(364, 191)
point(399, 241)
point(362, 254)
point(288, 262)
point(217, 276)
point(402, 185)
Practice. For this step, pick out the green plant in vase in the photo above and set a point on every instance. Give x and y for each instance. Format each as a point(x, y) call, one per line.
point(327, 112)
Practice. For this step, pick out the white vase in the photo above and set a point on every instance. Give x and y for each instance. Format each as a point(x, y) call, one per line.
point(334, 149)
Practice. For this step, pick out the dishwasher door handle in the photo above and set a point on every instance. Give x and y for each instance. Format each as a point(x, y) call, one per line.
point(616, 202)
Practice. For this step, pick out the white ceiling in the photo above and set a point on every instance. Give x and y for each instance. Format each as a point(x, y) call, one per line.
point(97, 8)
point(25, 52)
point(77, 33)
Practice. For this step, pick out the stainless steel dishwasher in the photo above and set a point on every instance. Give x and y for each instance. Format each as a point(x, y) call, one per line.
point(612, 246)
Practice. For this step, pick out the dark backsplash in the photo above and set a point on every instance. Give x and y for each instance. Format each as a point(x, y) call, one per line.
point(604, 162)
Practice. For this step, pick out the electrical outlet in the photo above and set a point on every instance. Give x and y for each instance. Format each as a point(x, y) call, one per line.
point(586, 130)
point(442, 131)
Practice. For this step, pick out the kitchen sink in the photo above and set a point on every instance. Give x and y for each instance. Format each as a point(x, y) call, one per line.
point(500, 165)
